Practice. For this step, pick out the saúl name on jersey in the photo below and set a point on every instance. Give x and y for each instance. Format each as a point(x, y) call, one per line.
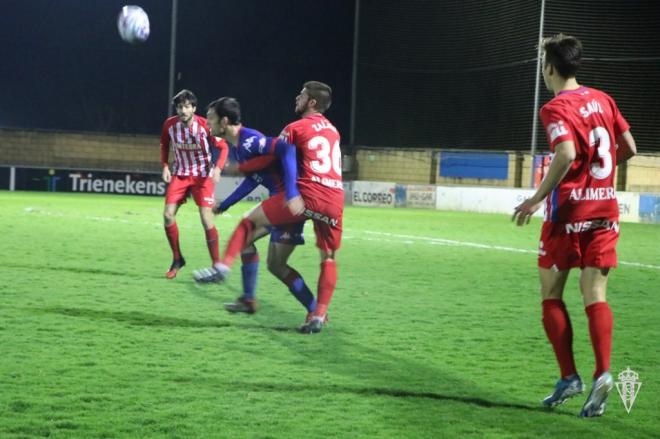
point(591, 107)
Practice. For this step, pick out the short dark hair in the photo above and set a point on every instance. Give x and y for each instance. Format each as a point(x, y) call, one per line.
point(564, 52)
point(227, 107)
point(321, 93)
point(183, 96)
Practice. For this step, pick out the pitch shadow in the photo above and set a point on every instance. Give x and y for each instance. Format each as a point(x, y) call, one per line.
point(80, 270)
point(136, 318)
point(381, 391)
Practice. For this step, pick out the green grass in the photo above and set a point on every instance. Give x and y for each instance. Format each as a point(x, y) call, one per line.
point(428, 338)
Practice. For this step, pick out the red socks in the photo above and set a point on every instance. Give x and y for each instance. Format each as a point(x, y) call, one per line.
point(212, 244)
point(172, 233)
point(326, 286)
point(558, 328)
point(237, 241)
point(600, 330)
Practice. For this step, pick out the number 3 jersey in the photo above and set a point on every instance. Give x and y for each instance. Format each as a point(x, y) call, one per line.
point(591, 119)
point(319, 157)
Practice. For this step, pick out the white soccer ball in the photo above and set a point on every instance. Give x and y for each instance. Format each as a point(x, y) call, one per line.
point(133, 24)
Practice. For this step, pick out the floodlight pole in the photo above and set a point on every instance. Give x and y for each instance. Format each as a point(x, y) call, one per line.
point(537, 92)
point(356, 29)
point(170, 110)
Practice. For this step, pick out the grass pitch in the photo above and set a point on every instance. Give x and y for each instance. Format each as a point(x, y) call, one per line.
point(435, 330)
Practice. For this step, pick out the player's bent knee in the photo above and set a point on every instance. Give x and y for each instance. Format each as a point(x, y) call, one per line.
point(249, 249)
point(593, 295)
point(257, 217)
point(277, 268)
point(207, 222)
point(552, 291)
point(169, 218)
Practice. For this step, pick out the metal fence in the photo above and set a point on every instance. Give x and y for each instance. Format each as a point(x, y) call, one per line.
point(461, 74)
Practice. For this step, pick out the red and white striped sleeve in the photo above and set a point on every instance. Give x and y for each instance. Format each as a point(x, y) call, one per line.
point(165, 143)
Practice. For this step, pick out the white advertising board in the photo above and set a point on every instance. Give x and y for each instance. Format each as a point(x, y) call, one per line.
point(420, 196)
point(504, 200)
point(373, 193)
point(628, 206)
point(481, 199)
point(228, 184)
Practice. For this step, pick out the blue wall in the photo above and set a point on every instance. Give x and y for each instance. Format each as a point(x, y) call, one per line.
point(474, 165)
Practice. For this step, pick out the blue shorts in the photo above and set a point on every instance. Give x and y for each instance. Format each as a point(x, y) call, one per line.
point(291, 234)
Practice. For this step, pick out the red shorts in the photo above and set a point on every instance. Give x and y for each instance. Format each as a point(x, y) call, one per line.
point(201, 188)
point(590, 243)
point(327, 218)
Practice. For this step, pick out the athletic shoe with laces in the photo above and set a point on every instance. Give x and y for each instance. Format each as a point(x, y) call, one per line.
point(600, 390)
point(216, 274)
point(313, 324)
point(564, 389)
point(248, 306)
point(177, 265)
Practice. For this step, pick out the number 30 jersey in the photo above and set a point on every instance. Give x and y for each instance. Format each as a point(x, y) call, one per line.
point(591, 119)
point(319, 156)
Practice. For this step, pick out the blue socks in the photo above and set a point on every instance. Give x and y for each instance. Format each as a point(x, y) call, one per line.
point(249, 270)
point(300, 290)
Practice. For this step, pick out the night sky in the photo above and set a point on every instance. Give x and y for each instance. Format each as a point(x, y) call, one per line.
point(64, 66)
point(440, 74)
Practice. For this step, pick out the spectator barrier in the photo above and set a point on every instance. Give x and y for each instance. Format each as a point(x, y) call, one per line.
point(633, 206)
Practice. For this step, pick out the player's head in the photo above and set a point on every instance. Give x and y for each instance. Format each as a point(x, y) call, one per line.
point(222, 113)
point(562, 55)
point(315, 97)
point(185, 103)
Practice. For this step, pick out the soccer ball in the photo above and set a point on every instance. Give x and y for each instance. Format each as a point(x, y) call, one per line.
point(133, 24)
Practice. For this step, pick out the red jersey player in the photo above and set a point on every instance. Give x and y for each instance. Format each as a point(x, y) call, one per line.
point(321, 194)
point(189, 138)
point(589, 137)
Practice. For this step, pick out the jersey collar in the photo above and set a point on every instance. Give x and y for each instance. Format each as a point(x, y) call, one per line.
point(580, 89)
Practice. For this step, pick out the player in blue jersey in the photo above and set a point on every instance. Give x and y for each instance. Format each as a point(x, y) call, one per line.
point(224, 119)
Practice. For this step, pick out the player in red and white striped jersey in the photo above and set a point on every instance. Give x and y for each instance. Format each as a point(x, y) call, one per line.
point(589, 137)
point(193, 173)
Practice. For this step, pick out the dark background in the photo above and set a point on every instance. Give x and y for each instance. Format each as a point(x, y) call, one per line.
point(442, 74)
point(63, 65)
point(460, 74)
